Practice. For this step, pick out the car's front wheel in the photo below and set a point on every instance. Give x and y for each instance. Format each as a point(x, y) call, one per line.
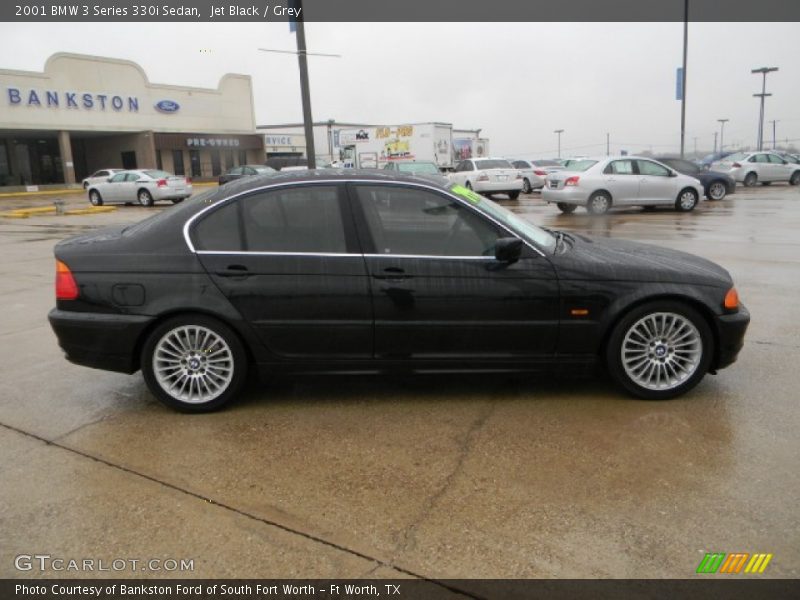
point(660, 350)
point(686, 201)
point(194, 363)
point(513, 195)
point(95, 198)
point(717, 190)
point(145, 198)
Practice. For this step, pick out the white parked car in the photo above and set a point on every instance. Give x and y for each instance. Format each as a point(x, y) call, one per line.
point(758, 167)
point(98, 177)
point(599, 184)
point(534, 172)
point(145, 186)
point(488, 176)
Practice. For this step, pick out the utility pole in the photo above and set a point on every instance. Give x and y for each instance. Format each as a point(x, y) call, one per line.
point(762, 95)
point(774, 121)
point(305, 91)
point(695, 147)
point(559, 132)
point(683, 72)
point(722, 134)
point(715, 142)
point(608, 144)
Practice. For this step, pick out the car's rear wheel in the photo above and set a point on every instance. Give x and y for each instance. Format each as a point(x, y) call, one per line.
point(513, 195)
point(686, 201)
point(660, 350)
point(145, 197)
point(177, 200)
point(750, 179)
point(194, 363)
point(599, 203)
point(717, 190)
point(566, 208)
point(95, 198)
point(526, 186)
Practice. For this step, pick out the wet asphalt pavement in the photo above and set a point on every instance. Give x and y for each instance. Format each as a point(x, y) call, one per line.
point(436, 477)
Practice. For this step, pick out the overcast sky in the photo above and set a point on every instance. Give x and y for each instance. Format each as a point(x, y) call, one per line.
point(516, 81)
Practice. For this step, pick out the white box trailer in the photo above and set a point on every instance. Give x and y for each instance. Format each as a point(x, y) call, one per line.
point(373, 147)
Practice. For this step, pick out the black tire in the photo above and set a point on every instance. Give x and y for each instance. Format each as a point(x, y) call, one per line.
point(765, 183)
point(795, 178)
point(599, 203)
point(177, 200)
point(513, 195)
point(526, 186)
point(648, 208)
point(717, 190)
point(145, 197)
point(231, 348)
point(700, 366)
point(750, 180)
point(686, 200)
point(566, 208)
point(95, 198)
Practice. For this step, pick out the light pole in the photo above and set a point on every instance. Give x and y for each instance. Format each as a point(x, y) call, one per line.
point(722, 133)
point(559, 132)
point(683, 72)
point(774, 143)
point(715, 142)
point(762, 95)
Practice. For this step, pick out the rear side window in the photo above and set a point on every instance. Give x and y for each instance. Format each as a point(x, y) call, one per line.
point(219, 230)
point(305, 219)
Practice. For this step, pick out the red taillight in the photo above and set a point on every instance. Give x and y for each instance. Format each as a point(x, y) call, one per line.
point(483, 177)
point(66, 288)
point(541, 173)
point(188, 181)
point(162, 183)
point(736, 166)
point(572, 180)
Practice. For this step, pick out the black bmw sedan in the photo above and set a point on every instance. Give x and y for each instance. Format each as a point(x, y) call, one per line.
point(362, 271)
point(715, 184)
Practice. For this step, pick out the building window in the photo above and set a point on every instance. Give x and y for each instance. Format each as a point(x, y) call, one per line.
point(242, 157)
point(5, 167)
point(215, 163)
point(194, 159)
point(177, 162)
point(128, 159)
point(159, 164)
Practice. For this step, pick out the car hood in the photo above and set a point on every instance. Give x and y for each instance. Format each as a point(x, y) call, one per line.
point(623, 260)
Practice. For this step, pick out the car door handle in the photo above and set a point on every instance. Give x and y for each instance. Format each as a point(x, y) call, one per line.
point(234, 271)
point(392, 274)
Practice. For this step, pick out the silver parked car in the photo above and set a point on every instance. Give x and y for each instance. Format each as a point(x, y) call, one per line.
point(98, 176)
point(534, 172)
point(145, 186)
point(752, 168)
point(488, 176)
point(601, 183)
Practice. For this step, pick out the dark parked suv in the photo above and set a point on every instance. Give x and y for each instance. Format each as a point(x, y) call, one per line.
point(715, 184)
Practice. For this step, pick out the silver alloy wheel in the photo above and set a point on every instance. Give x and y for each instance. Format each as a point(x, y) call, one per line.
point(599, 203)
point(688, 200)
point(661, 351)
point(94, 198)
point(526, 186)
point(717, 191)
point(193, 364)
point(145, 199)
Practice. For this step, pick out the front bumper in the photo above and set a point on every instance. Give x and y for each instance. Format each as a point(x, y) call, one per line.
point(730, 336)
point(100, 341)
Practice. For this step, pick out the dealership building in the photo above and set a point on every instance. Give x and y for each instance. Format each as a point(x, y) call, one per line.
point(84, 113)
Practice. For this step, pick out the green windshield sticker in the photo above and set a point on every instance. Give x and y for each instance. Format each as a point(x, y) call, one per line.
point(466, 193)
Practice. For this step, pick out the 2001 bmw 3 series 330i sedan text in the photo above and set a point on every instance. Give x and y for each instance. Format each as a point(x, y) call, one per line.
point(361, 271)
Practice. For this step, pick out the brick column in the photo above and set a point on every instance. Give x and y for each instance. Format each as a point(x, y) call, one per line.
point(65, 149)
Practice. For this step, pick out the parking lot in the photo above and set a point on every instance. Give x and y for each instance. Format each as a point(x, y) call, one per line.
point(434, 477)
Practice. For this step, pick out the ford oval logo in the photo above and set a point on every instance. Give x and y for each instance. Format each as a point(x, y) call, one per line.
point(167, 106)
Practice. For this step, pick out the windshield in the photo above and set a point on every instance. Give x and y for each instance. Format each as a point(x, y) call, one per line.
point(525, 229)
point(420, 167)
point(493, 164)
point(157, 174)
point(580, 165)
point(734, 157)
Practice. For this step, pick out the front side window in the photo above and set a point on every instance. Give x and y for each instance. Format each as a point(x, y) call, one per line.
point(118, 178)
point(774, 159)
point(650, 168)
point(410, 221)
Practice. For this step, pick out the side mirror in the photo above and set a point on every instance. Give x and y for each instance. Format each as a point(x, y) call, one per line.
point(109, 180)
point(673, 173)
point(508, 250)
